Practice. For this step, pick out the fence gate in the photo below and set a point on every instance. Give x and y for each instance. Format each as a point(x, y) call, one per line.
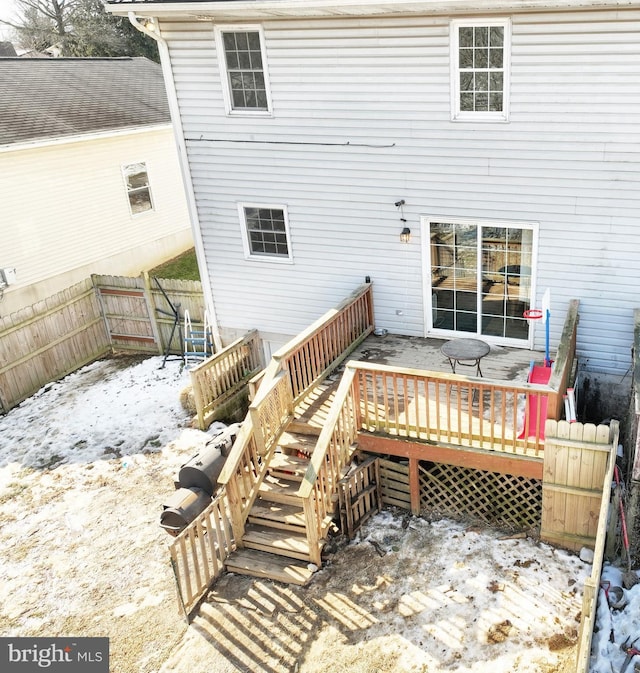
point(576, 459)
point(127, 314)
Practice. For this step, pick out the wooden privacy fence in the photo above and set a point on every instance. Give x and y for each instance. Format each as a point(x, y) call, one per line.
point(577, 459)
point(199, 552)
point(56, 336)
point(219, 379)
point(604, 455)
point(49, 340)
point(139, 315)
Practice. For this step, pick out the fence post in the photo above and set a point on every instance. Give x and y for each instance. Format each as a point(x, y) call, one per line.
point(151, 308)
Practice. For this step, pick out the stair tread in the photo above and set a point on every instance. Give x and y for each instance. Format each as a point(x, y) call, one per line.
point(295, 441)
point(280, 490)
point(278, 539)
point(262, 564)
point(287, 514)
point(293, 465)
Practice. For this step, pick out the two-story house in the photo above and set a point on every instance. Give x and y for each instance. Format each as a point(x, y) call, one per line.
point(465, 155)
point(89, 174)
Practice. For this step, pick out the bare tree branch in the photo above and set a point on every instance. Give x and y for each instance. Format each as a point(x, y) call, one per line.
point(77, 28)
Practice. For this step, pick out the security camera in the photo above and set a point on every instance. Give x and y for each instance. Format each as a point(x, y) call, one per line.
point(399, 203)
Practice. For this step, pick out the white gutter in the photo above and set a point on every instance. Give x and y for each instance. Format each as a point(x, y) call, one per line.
point(82, 138)
point(290, 9)
point(174, 110)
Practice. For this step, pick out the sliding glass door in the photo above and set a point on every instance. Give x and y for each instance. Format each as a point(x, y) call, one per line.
point(480, 279)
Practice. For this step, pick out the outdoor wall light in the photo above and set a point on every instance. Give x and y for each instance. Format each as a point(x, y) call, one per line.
point(405, 235)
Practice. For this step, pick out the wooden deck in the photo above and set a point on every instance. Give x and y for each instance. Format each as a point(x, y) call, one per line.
point(502, 364)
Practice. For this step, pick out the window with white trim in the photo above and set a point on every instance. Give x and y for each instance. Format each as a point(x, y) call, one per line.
point(138, 190)
point(265, 231)
point(244, 73)
point(481, 277)
point(480, 69)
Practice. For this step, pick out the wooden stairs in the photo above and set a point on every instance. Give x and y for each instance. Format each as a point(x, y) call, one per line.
point(274, 544)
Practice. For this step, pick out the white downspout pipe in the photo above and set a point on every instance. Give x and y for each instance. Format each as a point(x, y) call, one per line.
point(174, 110)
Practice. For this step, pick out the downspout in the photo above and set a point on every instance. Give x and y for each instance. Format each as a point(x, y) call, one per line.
point(174, 110)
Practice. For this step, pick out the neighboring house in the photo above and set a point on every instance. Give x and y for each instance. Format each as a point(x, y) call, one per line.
point(7, 49)
point(89, 173)
point(504, 135)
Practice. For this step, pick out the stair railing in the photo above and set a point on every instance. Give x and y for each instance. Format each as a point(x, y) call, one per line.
point(330, 457)
point(294, 369)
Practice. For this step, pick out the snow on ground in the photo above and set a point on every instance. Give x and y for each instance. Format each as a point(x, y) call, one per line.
point(616, 622)
point(85, 465)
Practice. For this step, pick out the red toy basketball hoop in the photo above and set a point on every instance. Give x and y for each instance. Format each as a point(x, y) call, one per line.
point(533, 314)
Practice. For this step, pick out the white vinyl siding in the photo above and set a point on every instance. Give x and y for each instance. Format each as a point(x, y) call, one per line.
point(364, 119)
point(80, 222)
point(243, 65)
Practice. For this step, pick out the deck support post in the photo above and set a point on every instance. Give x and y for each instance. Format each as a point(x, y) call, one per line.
point(414, 486)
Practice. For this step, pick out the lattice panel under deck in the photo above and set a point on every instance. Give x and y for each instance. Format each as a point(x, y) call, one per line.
point(497, 499)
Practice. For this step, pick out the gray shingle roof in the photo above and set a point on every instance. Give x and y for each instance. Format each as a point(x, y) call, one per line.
point(57, 97)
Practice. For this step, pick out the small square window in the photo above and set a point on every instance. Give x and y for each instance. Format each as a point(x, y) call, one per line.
point(265, 232)
point(138, 189)
point(244, 75)
point(480, 69)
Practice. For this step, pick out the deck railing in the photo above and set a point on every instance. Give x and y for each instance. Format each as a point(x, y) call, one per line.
point(452, 409)
point(317, 351)
point(293, 370)
point(218, 379)
point(330, 457)
point(199, 552)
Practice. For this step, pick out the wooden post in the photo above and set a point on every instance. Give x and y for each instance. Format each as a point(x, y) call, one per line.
point(610, 546)
point(151, 308)
point(414, 486)
point(313, 540)
point(235, 510)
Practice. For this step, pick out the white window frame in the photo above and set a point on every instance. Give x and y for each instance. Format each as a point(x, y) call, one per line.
point(479, 116)
point(264, 257)
point(224, 73)
point(129, 191)
point(425, 234)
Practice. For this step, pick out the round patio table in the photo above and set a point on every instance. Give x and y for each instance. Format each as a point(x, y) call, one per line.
point(465, 352)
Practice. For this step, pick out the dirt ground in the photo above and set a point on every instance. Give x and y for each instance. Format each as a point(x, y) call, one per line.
point(429, 597)
point(83, 555)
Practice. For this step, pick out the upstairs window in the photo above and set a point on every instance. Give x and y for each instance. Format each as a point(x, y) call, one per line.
point(138, 190)
point(480, 69)
point(244, 73)
point(265, 232)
